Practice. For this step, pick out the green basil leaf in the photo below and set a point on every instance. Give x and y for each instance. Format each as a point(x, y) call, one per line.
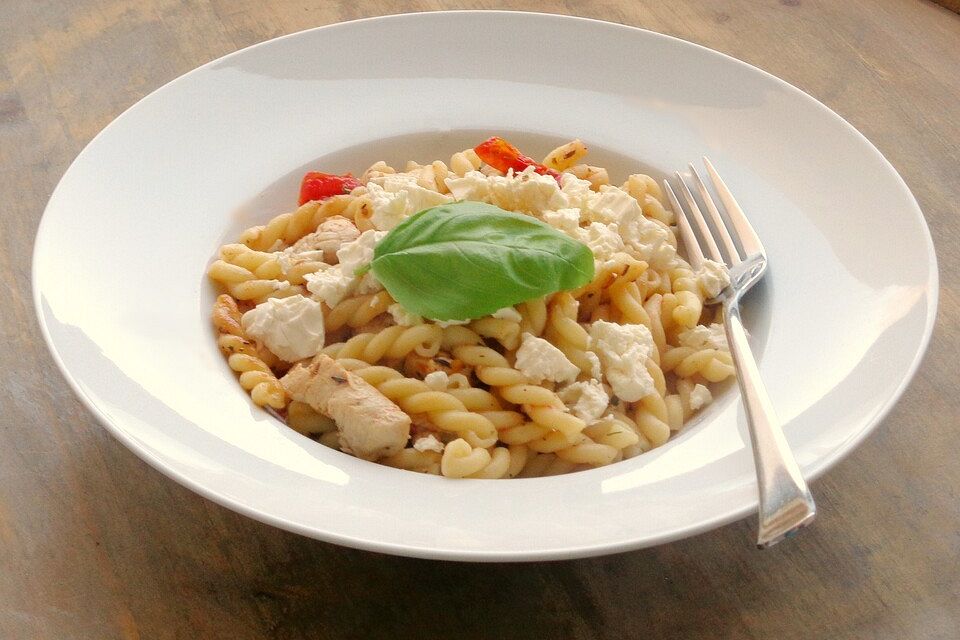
point(468, 259)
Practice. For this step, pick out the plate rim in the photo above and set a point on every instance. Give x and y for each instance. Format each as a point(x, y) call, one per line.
point(812, 472)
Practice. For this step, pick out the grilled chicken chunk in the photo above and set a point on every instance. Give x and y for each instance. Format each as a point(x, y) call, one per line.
point(333, 233)
point(371, 426)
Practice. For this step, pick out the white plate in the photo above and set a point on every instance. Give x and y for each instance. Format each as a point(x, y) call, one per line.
point(839, 325)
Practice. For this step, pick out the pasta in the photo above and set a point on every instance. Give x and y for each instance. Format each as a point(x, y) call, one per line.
point(562, 382)
point(245, 358)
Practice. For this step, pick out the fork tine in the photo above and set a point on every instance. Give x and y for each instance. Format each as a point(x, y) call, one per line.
point(748, 237)
point(712, 248)
point(686, 231)
point(717, 218)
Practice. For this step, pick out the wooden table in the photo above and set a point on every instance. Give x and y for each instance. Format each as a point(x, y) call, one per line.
point(95, 544)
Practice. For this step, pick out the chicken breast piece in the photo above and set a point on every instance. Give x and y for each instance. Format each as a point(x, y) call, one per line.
point(330, 235)
point(371, 426)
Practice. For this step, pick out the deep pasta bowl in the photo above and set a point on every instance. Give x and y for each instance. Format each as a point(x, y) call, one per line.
point(121, 295)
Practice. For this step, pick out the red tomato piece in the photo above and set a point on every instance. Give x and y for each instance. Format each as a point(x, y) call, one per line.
point(320, 186)
point(502, 156)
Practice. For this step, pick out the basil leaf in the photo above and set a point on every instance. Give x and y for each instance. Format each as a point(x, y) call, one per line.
point(468, 259)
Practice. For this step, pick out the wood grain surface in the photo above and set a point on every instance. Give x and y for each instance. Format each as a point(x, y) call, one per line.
point(95, 544)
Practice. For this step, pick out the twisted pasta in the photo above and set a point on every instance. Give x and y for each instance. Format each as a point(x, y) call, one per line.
point(250, 275)
point(464, 161)
point(460, 411)
point(302, 418)
point(711, 364)
point(506, 332)
point(566, 155)
point(287, 228)
point(392, 343)
point(413, 460)
point(688, 305)
point(565, 332)
point(243, 357)
point(460, 460)
point(540, 404)
point(533, 314)
point(650, 197)
point(357, 311)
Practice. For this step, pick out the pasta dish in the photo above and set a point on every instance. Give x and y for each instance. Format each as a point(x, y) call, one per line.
point(486, 317)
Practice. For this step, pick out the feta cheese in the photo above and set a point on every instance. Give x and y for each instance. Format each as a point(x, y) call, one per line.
point(399, 198)
point(577, 191)
point(603, 239)
point(596, 372)
point(712, 277)
point(428, 443)
point(291, 327)
point(700, 396)
point(443, 324)
point(333, 284)
point(586, 400)
point(359, 253)
point(526, 191)
point(437, 380)
point(623, 350)
point(402, 317)
point(472, 186)
point(330, 284)
point(368, 283)
point(539, 360)
point(703, 337)
point(612, 205)
point(650, 242)
point(507, 313)
point(396, 182)
point(565, 220)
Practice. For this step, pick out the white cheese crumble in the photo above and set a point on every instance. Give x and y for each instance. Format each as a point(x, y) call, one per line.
point(712, 277)
point(565, 220)
point(586, 400)
point(330, 284)
point(702, 337)
point(472, 186)
point(577, 191)
point(596, 371)
point(539, 360)
point(402, 317)
point(623, 350)
point(398, 198)
point(700, 396)
point(359, 253)
point(650, 242)
point(612, 205)
point(526, 191)
point(291, 327)
point(643, 238)
point(428, 443)
point(603, 239)
point(443, 324)
point(437, 380)
point(507, 313)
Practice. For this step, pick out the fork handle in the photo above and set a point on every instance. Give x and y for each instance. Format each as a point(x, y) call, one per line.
point(785, 501)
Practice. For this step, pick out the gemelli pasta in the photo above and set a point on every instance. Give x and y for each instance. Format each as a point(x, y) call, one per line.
point(490, 316)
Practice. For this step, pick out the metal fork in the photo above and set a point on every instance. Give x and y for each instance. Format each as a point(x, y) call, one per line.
point(786, 505)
